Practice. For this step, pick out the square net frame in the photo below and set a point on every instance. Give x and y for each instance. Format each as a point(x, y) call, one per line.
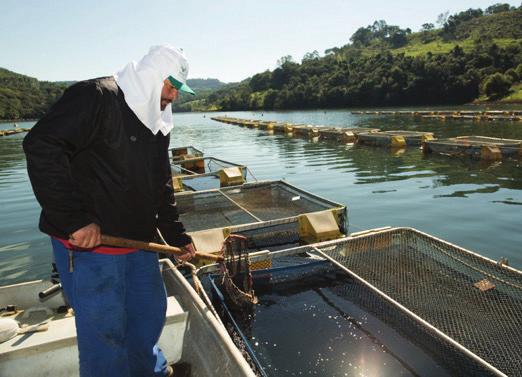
point(177, 153)
point(196, 181)
point(383, 138)
point(212, 166)
point(430, 284)
point(471, 145)
point(256, 202)
point(454, 360)
point(334, 133)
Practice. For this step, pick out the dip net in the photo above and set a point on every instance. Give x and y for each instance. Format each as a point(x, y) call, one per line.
point(237, 279)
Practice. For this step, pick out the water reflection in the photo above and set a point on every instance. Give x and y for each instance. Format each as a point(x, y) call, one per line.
point(373, 165)
point(11, 155)
point(325, 332)
point(461, 200)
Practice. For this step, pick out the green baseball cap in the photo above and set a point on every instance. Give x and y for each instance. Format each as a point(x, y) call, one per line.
point(180, 86)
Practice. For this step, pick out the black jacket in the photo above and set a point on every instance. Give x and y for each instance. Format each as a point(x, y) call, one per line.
point(90, 159)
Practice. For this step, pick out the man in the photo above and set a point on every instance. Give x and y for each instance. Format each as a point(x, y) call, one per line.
point(98, 163)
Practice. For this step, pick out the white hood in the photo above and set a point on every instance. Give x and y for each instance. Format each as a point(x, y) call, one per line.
point(142, 83)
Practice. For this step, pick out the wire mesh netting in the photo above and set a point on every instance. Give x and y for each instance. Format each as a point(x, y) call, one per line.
point(250, 203)
point(437, 281)
point(270, 236)
point(276, 200)
point(199, 174)
point(333, 326)
point(236, 276)
point(207, 210)
point(203, 165)
point(201, 182)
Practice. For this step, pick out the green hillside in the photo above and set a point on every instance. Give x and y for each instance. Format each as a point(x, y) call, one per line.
point(24, 97)
point(474, 54)
point(203, 88)
point(205, 84)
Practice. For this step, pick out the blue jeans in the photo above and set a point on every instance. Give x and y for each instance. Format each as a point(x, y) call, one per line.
point(120, 304)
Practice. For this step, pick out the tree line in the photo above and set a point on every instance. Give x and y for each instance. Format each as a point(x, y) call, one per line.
point(381, 80)
point(23, 97)
point(368, 72)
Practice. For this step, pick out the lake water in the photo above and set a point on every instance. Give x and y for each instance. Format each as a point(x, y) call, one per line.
point(343, 337)
point(474, 204)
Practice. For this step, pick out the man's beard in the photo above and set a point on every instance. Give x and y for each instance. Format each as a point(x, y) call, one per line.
point(164, 103)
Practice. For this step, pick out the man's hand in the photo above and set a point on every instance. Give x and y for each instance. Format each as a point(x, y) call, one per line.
point(87, 237)
point(189, 252)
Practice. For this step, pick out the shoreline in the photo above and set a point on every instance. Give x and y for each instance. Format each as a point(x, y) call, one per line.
point(17, 120)
point(498, 103)
point(470, 104)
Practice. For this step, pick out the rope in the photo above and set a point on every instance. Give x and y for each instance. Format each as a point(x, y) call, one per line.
point(240, 206)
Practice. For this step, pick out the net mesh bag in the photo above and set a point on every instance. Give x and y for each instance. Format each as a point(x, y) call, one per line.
point(237, 279)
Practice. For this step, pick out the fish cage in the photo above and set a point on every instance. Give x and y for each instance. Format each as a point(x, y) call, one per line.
point(503, 112)
point(267, 125)
point(183, 153)
point(200, 165)
point(397, 299)
point(305, 130)
point(394, 138)
point(251, 123)
point(13, 131)
point(478, 147)
point(237, 121)
point(346, 135)
point(273, 235)
point(256, 202)
point(205, 173)
point(283, 127)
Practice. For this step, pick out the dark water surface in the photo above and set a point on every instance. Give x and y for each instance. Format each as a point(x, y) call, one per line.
point(477, 205)
point(307, 323)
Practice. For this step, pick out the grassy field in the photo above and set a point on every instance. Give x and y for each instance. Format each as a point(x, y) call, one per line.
point(438, 46)
point(515, 96)
point(441, 47)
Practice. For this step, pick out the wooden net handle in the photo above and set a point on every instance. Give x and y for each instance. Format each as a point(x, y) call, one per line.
point(151, 246)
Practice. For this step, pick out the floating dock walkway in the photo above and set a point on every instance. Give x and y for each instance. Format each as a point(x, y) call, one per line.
point(13, 131)
point(340, 134)
point(478, 147)
point(367, 136)
point(490, 115)
point(396, 139)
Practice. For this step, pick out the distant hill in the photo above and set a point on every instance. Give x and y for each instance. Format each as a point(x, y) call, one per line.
point(205, 84)
point(24, 97)
point(196, 84)
point(501, 25)
point(203, 88)
point(474, 55)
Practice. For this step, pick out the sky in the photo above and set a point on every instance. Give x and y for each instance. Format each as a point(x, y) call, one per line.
point(61, 40)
